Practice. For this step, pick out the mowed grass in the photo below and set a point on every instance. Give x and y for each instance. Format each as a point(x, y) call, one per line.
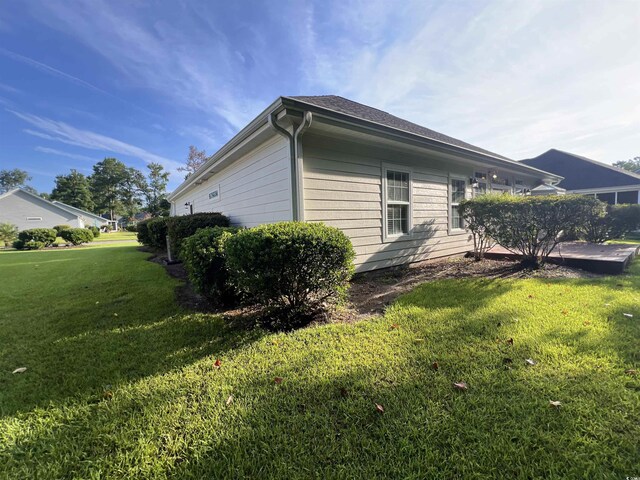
point(119, 235)
point(139, 395)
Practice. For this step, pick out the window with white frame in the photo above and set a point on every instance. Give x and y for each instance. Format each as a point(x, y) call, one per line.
point(458, 190)
point(398, 203)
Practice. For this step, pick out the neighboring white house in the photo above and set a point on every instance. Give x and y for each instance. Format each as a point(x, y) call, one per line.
point(26, 210)
point(392, 186)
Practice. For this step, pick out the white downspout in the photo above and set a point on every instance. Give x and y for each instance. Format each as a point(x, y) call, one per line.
point(299, 163)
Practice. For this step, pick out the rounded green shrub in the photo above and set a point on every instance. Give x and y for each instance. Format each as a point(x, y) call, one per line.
point(204, 260)
point(59, 228)
point(157, 233)
point(181, 227)
point(131, 228)
point(46, 236)
point(77, 236)
point(29, 245)
point(292, 269)
point(95, 230)
point(143, 232)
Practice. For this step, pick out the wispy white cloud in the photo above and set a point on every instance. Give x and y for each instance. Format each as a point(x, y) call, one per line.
point(61, 153)
point(49, 70)
point(184, 59)
point(515, 77)
point(64, 133)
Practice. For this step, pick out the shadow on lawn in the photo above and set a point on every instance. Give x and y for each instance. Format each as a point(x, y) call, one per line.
point(78, 350)
point(322, 421)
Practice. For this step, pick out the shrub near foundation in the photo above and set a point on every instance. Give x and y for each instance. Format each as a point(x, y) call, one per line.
point(204, 260)
point(531, 226)
point(292, 269)
point(181, 227)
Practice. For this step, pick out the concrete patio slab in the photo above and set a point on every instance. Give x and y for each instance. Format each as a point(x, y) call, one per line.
point(610, 259)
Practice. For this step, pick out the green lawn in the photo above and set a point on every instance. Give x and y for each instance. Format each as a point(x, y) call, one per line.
point(139, 396)
point(119, 235)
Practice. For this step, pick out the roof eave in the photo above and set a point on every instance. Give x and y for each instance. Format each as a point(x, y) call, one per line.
point(294, 103)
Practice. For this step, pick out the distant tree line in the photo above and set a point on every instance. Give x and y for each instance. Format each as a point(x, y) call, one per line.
point(112, 189)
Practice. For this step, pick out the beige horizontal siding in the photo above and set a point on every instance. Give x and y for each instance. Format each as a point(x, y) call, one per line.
point(343, 189)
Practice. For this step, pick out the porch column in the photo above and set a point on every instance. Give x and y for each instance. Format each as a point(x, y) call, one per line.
point(615, 201)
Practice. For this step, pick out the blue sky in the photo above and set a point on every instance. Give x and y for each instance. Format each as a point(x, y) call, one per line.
point(141, 80)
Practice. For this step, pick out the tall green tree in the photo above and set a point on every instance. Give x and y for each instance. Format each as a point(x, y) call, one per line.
point(10, 179)
point(73, 189)
point(133, 191)
point(157, 191)
point(107, 181)
point(633, 164)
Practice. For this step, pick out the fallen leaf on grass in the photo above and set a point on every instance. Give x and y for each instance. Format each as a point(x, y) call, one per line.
point(586, 323)
point(20, 370)
point(107, 394)
point(530, 296)
point(510, 341)
point(565, 312)
point(278, 380)
point(115, 314)
point(529, 361)
point(631, 372)
point(460, 386)
point(394, 326)
point(554, 403)
point(379, 408)
point(230, 400)
point(419, 340)
point(630, 315)
point(435, 366)
point(217, 363)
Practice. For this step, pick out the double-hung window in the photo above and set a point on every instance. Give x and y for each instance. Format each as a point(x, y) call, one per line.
point(398, 203)
point(457, 190)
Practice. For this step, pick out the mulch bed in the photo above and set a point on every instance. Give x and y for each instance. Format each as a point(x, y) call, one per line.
point(372, 292)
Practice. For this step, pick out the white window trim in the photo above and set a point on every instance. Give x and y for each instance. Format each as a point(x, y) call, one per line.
point(402, 169)
point(451, 230)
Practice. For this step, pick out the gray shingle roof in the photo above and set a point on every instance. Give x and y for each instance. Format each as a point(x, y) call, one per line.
point(364, 112)
point(581, 172)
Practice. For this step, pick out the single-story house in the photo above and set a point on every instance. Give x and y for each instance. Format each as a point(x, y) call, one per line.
point(27, 210)
point(391, 185)
point(590, 177)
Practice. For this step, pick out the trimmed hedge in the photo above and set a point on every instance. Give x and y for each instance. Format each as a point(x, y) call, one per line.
point(157, 233)
point(530, 226)
point(77, 236)
point(292, 269)
point(153, 232)
point(205, 263)
point(95, 230)
point(611, 222)
point(181, 227)
point(143, 232)
point(35, 238)
point(59, 228)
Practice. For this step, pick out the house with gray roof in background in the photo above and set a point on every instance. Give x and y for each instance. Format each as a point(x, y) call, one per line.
point(391, 185)
point(585, 176)
point(26, 210)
